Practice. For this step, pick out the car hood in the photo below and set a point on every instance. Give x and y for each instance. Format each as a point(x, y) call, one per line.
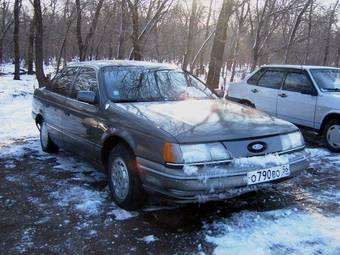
point(192, 121)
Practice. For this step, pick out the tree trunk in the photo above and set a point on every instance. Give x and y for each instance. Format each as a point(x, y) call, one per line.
point(39, 56)
point(78, 28)
point(309, 36)
point(201, 65)
point(120, 52)
point(294, 29)
point(30, 48)
point(136, 51)
point(217, 51)
point(329, 33)
point(191, 31)
point(17, 5)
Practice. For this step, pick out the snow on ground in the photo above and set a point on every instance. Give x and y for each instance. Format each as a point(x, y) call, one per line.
point(149, 239)
point(283, 231)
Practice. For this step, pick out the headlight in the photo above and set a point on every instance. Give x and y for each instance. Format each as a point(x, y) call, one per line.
point(195, 153)
point(292, 141)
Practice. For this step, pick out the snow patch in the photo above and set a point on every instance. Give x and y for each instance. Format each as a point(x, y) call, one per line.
point(121, 214)
point(285, 231)
point(190, 170)
point(150, 238)
point(262, 161)
point(84, 200)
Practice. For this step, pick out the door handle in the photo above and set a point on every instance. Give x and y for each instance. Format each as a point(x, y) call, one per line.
point(254, 90)
point(283, 95)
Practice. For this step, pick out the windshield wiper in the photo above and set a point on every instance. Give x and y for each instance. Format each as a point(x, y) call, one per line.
point(127, 101)
point(332, 89)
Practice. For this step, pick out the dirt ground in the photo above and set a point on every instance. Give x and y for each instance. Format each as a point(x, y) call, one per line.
point(60, 205)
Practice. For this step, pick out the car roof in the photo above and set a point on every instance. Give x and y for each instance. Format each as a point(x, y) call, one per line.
point(301, 67)
point(144, 64)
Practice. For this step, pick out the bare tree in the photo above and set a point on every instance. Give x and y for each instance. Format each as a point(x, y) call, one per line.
point(309, 32)
point(329, 32)
point(200, 70)
point(5, 25)
point(83, 46)
point(263, 22)
point(295, 27)
point(191, 31)
point(217, 51)
point(39, 45)
point(17, 6)
point(122, 30)
point(138, 38)
point(241, 16)
point(30, 52)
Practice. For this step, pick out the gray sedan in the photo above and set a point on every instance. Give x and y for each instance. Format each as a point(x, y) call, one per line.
point(154, 128)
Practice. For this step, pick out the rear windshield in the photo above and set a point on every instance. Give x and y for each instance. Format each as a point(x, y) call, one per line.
point(126, 84)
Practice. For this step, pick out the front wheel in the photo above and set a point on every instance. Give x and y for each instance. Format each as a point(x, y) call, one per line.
point(47, 144)
point(125, 185)
point(332, 135)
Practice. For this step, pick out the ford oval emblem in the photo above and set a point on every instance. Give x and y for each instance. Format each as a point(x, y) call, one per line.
point(257, 147)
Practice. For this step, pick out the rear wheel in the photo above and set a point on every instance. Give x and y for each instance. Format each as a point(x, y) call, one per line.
point(47, 144)
point(125, 185)
point(332, 135)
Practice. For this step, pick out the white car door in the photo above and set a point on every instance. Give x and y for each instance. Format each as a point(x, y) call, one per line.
point(242, 90)
point(264, 93)
point(297, 99)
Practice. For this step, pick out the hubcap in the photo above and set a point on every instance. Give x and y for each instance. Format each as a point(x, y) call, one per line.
point(333, 136)
point(44, 135)
point(120, 178)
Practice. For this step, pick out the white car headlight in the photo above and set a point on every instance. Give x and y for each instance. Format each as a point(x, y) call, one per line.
point(292, 140)
point(195, 153)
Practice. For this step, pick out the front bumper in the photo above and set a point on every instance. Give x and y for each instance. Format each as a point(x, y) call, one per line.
point(209, 183)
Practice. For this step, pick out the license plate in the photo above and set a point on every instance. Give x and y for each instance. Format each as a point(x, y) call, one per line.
point(269, 174)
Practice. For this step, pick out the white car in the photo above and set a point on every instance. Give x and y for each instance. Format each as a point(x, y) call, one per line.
point(308, 96)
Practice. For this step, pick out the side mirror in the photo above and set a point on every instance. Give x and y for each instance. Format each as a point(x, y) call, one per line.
point(87, 97)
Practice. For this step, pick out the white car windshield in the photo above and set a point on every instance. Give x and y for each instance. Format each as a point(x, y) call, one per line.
point(327, 79)
point(126, 84)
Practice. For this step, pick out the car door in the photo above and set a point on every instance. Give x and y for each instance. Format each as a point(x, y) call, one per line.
point(264, 92)
point(297, 99)
point(82, 132)
point(55, 96)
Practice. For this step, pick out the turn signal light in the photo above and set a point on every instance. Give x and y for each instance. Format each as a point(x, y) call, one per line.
point(169, 154)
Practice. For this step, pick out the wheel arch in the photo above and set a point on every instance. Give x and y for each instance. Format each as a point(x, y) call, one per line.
point(328, 118)
point(109, 143)
point(247, 102)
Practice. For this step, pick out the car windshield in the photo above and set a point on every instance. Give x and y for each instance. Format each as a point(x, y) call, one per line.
point(327, 79)
point(135, 84)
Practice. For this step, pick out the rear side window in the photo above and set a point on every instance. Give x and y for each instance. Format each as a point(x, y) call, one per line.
point(85, 81)
point(297, 82)
point(62, 83)
point(255, 78)
point(271, 79)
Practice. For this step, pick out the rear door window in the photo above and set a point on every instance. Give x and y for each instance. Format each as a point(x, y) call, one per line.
point(62, 83)
point(271, 79)
point(297, 82)
point(253, 80)
point(85, 81)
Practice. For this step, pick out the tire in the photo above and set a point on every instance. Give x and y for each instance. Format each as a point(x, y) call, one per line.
point(124, 182)
point(47, 144)
point(332, 135)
